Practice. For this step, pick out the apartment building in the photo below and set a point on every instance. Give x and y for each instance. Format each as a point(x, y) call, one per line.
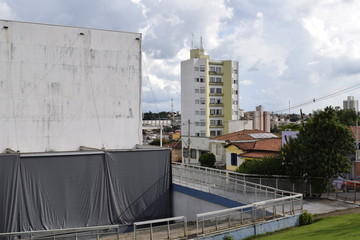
point(209, 94)
point(351, 103)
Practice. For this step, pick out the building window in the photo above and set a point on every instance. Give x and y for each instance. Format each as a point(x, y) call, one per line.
point(233, 159)
point(193, 153)
point(235, 102)
point(218, 79)
point(197, 124)
point(197, 134)
point(212, 100)
point(212, 133)
point(219, 133)
point(185, 152)
point(212, 122)
point(219, 149)
point(212, 69)
point(219, 101)
point(197, 113)
point(202, 79)
point(202, 123)
point(212, 79)
point(202, 90)
point(202, 100)
point(196, 69)
point(219, 122)
point(235, 81)
point(218, 112)
point(235, 91)
point(202, 68)
point(235, 71)
point(212, 90)
point(235, 112)
point(197, 101)
point(196, 90)
point(218, 69)
point(202, 134)
point(212, 111)
point(197, 79)
point(202, 112)
point(218, 90)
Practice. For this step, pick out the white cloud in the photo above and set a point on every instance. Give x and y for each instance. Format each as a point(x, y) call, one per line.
point(335, 29)
point(246, 82)
point(5, 11)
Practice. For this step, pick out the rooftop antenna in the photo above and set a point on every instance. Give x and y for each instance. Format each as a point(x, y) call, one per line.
point(201, 44)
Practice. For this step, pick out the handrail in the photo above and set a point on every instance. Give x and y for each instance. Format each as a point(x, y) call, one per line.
point(226, 176)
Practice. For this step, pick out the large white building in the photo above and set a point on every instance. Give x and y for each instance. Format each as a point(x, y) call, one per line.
point(351, 103)
point(209, 97)
point(66, 87)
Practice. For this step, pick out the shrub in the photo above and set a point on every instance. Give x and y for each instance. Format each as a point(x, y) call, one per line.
point(207, 160)
point(306, 218)
point(228, 237)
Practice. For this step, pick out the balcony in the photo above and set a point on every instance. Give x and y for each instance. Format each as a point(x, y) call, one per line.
point(216, 94)
point(218, 116)
point(216, 83)
point(216, 126)
point(216, 104)
point(215, 73)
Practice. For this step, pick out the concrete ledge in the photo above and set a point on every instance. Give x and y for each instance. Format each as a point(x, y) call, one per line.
point(258, 229)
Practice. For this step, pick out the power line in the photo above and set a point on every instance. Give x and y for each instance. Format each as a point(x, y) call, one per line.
point(343, 90)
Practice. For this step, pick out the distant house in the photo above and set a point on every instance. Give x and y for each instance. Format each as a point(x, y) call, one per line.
point(238, 152)
point(218, 143)
point(175, 147)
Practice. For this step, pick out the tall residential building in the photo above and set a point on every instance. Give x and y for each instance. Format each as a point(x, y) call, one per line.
point(351, 103)
point(209, 95)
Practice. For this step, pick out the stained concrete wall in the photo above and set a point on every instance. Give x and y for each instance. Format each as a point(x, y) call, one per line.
point(65, 87)
point(258, 229)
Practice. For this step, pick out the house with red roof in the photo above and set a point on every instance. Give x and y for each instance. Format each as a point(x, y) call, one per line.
point(249, 142)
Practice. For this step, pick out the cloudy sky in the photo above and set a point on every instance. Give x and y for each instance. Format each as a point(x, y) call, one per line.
point(288, 51)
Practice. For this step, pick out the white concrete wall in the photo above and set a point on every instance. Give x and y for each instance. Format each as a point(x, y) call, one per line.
point(239, 125)
point(201, 144)
point(65, 87)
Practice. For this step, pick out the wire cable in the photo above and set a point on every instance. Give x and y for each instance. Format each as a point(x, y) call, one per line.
point(343, 90)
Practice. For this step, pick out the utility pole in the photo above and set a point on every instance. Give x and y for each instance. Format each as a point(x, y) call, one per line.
point(189, 141)
point(357, 141)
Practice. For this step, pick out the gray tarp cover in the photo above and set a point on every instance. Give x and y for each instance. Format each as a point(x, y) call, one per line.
point(53, 192)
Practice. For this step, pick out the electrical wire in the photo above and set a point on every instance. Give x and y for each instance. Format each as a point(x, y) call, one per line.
point(343, 90)
point(152, 92)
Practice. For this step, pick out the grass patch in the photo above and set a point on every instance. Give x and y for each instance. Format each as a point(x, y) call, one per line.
point(337, 227)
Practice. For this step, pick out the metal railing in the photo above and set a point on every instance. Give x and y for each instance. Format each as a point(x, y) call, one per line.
point(222, 183)
point(274, 181)
point(211, 222)
point(167, 228)
point(116, 232)
point(344, 189)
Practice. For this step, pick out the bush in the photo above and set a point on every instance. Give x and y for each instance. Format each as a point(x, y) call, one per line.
point(306, 218)
point(228, 237)
point(207, 160)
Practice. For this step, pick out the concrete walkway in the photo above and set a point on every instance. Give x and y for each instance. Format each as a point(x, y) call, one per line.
point(323, 205)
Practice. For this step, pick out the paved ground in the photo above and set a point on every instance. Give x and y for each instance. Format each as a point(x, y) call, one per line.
point(323, 206)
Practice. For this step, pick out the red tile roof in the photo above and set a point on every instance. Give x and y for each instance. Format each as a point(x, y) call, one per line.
point(174, 145)
point(272, 145)
point(239, 136)
point(353, 132)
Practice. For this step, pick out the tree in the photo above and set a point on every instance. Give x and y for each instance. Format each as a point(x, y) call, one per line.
point(207, 160)
point(321, 148)
point(266, 166)
point(347, 116)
